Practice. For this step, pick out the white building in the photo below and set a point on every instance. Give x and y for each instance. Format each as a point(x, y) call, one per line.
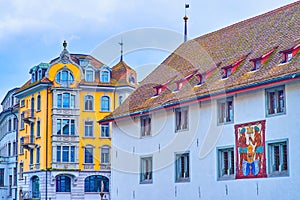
point(8, 146)
point(217, 119)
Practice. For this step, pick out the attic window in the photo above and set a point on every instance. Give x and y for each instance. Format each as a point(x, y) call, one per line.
point(258, 62)
point(288, 54)
point(227, 71)
point(160, 88)
point(201, 78)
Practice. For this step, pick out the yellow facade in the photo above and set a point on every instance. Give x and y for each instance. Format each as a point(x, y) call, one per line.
point(59, 112)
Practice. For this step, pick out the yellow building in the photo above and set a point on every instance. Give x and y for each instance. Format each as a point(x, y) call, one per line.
point(63, 152)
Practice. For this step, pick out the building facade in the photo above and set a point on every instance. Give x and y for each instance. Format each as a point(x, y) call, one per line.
point(217, 119)
point(8, 146)
point(63, 152)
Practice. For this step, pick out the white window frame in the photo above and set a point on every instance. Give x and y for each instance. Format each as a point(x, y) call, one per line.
point(230, 171)
point(145, 125)
point(105, 156)
point(146, 175)
point(277, 110)
point(104, 127)
point(88, 128)
point(108, 76)
point(87, 78)
point(178, 167)
point(271, 157)
point(227, 115)
point(181, 119)
point(88, 102)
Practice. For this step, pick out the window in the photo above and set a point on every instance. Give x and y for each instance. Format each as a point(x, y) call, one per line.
point(105, 155)
point(31, 157)
point(38, 105)
point(182, 171)
point(95, 182)
point(21, 169)
point(88, 102)
point(89, 128)
point(15, 148)
point(105, 130)
point(225, 163)
point(146, 170)
point(65, 154)
point(38, 150)
point(22, 103)
point(225, 110)
point(65, 126)
point(15, 124)
point(227, 71)
point(2, 177)
point(21, 145)
point(275, 100)
point(287, 57)
point(278, 158)
point(120, 100)
point(15, 176)
point(104, 77)
point(9, 185)
point(64, 77)
point(131, 79)
point(88, 155)
point(63, 183)
point(256, 64)
point(22, 120)
point(181, 118)
point(35, 183)
point(89, 75)
point(145, 125)
point(65, 100)
point(105, 104)
point(38, 128)
point(9, 125)
point(9, 149)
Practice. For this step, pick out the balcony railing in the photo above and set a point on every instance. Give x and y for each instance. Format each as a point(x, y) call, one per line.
point(29, 195)
point(28, 142)
point(29, 116)
point(105, 167)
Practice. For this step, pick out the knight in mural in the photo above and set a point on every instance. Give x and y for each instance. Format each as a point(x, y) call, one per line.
point(242, 146)
point(257, 142)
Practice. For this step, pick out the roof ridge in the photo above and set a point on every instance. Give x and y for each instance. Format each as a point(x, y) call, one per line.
point(251, 18)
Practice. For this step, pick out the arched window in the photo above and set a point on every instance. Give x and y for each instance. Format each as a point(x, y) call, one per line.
point(35, 187)
point(64, 77)
point(63, 183)
point(104, 76)
point(94, 184)
point(88, 102)
point(88, 154)
point(38, 103)
point(132, 79)
point(105, 104)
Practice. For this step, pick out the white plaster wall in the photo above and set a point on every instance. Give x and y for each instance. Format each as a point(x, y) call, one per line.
point(201, 140)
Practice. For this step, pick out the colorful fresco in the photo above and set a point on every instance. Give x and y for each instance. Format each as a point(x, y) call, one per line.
point(250, 150)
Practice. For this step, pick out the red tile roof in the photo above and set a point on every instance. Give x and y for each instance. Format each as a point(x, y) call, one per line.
point(252, 38)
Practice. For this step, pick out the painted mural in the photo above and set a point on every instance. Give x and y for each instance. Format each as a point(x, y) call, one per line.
point(250, 150)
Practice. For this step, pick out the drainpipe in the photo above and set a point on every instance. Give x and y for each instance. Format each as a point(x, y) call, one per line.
point(47, 100)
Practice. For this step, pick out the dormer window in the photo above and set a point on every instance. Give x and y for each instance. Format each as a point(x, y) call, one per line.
point(256, 64)
point(104, 76)
point(40, 74)
point(131, 79)
point(84, 62)
point(160, 88)
point(89, 75)
point(201, 78)
point(227, 71)
point(288, 54)
point(259, 61)
point(33, 77)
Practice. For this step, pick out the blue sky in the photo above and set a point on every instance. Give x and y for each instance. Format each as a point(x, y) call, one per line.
point(32, 31)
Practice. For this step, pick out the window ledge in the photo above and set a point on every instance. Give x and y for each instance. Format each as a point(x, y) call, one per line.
point(181, 130)
point(182, 180)
point(88, 110)
point(226, 178)
point(278, 174)
point(89, 137)
point(225, 123)
point(275, 114)
point(146, 182)
point(104, 137)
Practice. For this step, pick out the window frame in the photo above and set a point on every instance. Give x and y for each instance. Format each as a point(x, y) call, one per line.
point(144, 174)
point(178, 166)
point(228, 117)
point(104, 128)
point(271, 159)
point(71, 127)
point(88, 128)
point(2, 177)
point(60, 79)
point(88, 103)
point(275, 90)
point(86, 157)
point(61, 98)
point(105, 107)
point(38, 128)
point(67, 184)
point(38, 103)
point(230, 163)
point(104, 76)
point(145, 124)
point(181, 120)
point(104, 159)
point(88, 76)
point(70, 154)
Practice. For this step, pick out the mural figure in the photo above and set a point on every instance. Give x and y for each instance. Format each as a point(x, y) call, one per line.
point(250, 151)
